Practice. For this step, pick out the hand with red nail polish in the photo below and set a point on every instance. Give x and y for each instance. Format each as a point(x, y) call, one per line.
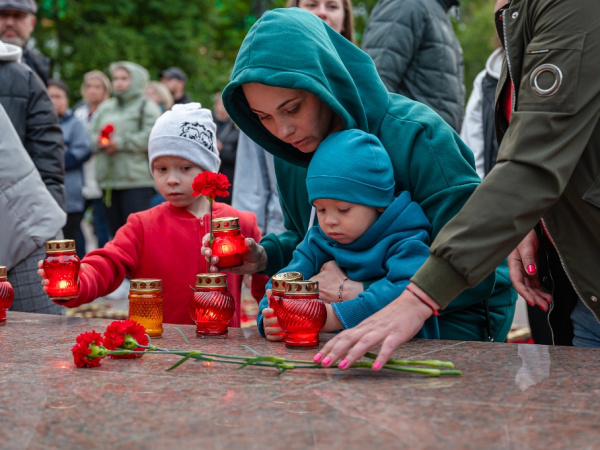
point(522, 266)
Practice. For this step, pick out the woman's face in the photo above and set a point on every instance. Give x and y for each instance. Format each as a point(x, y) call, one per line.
point(330, 11)
point(94, 91)
point(121, 80)
point(293, 115)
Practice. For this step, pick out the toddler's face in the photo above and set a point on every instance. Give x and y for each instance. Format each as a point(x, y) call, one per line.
point(174, 176)
point(344, 222)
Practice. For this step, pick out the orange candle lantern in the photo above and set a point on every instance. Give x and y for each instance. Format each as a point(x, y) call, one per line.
point(212, 306)
point(7, 294)
point(105, 134)
point(146, 304)
point(301, 313)
point(62, 269)
point(278, 289)
point(228, 244)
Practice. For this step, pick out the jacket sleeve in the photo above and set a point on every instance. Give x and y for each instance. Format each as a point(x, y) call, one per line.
point(137, 141)
point(44, 140)
point(403, 260)
point(538, 154)
point(79, 149)
point(105, 269)
point(393, 35)
point(306, 259)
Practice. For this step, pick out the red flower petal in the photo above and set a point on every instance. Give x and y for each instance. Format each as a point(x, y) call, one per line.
point(82, 349)
point(114, 337)
point(211, 185)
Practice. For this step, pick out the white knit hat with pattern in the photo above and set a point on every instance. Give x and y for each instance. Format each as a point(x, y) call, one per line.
point(187, 131)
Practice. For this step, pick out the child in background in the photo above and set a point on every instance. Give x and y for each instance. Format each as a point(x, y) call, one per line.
point(371, 234)
point(164, 242)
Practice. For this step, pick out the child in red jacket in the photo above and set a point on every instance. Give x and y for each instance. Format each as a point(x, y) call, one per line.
point(165, 242)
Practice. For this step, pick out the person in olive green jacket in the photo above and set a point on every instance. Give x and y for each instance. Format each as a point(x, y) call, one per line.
point(122, 162)
point(328, 84)
point(548, 167)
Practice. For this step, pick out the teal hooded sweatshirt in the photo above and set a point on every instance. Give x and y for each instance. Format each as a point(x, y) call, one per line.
point(294, 49)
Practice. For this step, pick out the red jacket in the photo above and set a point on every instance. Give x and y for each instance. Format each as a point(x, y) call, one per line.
point(163, 242)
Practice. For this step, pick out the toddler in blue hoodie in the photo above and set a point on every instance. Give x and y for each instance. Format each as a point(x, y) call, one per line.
point(374, 235)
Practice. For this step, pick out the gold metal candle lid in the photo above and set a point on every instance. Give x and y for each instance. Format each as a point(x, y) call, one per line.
point(204, 280)
point(3, 273)
point(226, 223)
point(279, 279)
point(63, 245)
point(146, 284)
point(301, 287)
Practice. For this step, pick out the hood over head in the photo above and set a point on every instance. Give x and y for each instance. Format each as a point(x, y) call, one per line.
point(139, 80)
point(294, 49)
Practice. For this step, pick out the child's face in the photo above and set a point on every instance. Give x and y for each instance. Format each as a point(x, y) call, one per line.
point(293, 115)
point(174, 176)
point(344, 222)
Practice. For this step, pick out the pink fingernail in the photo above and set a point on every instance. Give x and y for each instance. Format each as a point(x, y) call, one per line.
point(343, 364)
point(317, 357)
point(326, 361)
point(528, 302)
point(376, 365)
point(530, 268)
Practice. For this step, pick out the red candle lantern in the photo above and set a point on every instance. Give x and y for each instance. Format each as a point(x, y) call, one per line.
point(278, 288)
point(105, 134)
point(212, 306)
point(146, 304)
point(301, 313)
point(62, 269)
point(228, 244)
point(7, 294)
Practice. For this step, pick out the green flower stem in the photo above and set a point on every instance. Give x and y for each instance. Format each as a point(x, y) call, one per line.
point(410, 362)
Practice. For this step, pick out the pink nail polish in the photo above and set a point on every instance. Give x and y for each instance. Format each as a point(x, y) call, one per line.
point(530, 268)
point(317, 357)
point(376, 365)
point(326, 361)
point(343, 364)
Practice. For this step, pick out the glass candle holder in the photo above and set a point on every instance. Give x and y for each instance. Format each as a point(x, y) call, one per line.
point(301, 314)
point(212, 306)
point(146, 304)
point(7, 294)
point(278, 288)
point(62, 269)
point(228, 244)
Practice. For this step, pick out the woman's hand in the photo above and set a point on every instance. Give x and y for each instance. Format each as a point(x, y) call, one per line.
point(110, 148)
point(393, 325)
point(330, 278)
point(522, 267)
point(255, 258)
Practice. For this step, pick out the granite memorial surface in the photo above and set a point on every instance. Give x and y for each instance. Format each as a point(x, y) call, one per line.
point(509, 396)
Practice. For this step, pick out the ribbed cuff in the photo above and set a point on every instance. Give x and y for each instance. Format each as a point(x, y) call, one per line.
point(439, 280)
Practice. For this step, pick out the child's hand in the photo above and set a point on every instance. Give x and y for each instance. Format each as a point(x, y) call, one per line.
point(42, 273)
point(273, 331)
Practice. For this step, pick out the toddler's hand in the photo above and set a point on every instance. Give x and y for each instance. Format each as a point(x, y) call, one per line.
point(273, 331)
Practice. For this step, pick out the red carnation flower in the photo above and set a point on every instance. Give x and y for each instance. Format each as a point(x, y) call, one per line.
point(125, 334)
point(88, 351)
point(211, 185)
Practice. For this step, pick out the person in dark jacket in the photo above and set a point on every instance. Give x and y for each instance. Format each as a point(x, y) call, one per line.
point(17, 21)
point(78, 151)
point(227, 142)
point(28, 105)
point(418, 55)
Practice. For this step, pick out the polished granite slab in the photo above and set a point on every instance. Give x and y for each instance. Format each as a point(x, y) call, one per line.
point(510, 396)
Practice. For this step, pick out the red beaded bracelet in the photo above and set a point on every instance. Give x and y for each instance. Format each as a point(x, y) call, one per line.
point(435, 311)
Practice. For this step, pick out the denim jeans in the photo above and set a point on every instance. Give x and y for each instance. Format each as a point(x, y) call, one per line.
point(586, 327)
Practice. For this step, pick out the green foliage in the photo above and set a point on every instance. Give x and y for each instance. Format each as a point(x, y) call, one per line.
point(201, 37)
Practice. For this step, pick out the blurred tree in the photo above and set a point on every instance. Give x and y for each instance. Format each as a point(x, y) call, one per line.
point(201, 37)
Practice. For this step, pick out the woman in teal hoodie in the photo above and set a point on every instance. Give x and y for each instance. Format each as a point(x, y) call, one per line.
point(291, 63)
